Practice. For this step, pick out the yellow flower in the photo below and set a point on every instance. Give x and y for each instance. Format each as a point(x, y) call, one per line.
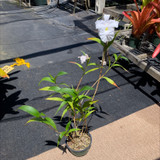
point(19, 62)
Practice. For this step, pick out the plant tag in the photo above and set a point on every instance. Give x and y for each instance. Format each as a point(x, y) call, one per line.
point(7, 69)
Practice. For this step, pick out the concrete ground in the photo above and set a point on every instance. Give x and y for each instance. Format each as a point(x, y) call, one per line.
point(48, 39)
point(133, 137)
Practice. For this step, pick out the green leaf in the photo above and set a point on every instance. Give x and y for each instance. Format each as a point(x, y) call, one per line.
point(122, 57)
point(61, 106)
point(68, 91)
point(98, 40)
point(109, 60)
point(88, 114)
point(71, 105)
point(50, 122)
point(45, 89)
point(46, 120)
point(60, 137)
point(64, 112)
point(110, 43)
point(86, 88)
point(88, 103)
point(90, 108)
point(64, 84)
point(91, 70)
point(53, 88)
point(72, 130)
point(83, 53)
point(68, 125)
point(48, 79)
point(36, 119)
point(118, 65)
point(79, 65)
point(92, 64)
point(84, 97)
point(51, 76)
point(115, 57)
point(61, 73)
point(110, 81)
point(42, 114)
point(31, 110)
point(54, 99)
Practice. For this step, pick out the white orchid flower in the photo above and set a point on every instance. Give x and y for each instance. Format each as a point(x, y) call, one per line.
point(83, 58)
point(106, 28)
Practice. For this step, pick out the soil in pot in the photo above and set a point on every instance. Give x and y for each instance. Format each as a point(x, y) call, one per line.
point(79, 144)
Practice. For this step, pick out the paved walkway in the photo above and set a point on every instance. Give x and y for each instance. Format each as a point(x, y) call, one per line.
point(48, 39)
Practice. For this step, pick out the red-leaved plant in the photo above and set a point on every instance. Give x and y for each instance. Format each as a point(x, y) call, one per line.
point(145, 19)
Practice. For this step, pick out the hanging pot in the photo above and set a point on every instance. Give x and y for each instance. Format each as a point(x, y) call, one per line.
point(76, 151)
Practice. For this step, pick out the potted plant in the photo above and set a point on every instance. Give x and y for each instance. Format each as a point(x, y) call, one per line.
point(75, 100)
point(145, 22)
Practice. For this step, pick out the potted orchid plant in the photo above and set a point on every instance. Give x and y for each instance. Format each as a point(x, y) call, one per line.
point(75, 100)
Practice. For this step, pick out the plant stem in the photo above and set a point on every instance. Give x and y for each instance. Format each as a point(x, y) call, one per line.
point(79, 82)
point(100, 77)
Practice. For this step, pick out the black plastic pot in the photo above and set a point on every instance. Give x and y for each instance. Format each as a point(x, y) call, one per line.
point(133, 42)
point(80, 152)
point(39, 2)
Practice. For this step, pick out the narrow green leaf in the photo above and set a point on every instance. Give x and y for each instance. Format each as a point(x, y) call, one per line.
point(48, 79)
point(50, 122)
point(64, 112)
point(115, 57)
point(71, 105)
point(109, 60)
point(68, 91)
point(54, 99)
point(42, 114)
point(73, 130)
point(31, 110)
point(60, 137)
point(92, 64)
point(110, 43)
point(79, 65)
point(61, 73)
point(122, 57)
point(84, 97)
point(110, 81)
point(88, 114)
point(61, 106)
point(90, 108)
point(91, 70)
point(88, 103)
point(45, 89)
point(98, 40)
point(52, 88)
point(46, 120)
point(68, 125)
point(85, 88)
point(64, 84)
point(118, 65)
point(83, 52)
point(36, 119)
point(51, 76)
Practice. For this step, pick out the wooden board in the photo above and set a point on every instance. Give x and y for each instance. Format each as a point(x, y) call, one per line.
point(136, 59)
